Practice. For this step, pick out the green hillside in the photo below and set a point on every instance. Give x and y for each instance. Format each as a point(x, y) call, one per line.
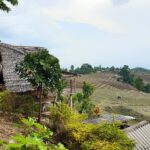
point(142, 73)
point(140, 70)
point(111, 95)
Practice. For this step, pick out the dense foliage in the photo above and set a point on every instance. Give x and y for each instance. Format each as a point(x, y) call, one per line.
point(87, 69)
point(42, 70)
point(4, 4)
point(126, 75)
point(137, 82)
point(17, 104)
point(35, 137)
point(70, 130)
point(82, 100)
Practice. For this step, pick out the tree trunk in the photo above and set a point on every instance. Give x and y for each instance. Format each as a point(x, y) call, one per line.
point(40, 101)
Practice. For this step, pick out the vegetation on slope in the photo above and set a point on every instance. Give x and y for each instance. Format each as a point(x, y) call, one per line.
point(108, 89)
point(140, 70)
point(128, 77)
point(66, 126)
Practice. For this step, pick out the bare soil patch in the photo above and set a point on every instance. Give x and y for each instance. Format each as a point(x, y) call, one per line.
point(7, 128)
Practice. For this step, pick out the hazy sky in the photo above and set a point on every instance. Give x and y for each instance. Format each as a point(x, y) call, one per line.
point(99, 32)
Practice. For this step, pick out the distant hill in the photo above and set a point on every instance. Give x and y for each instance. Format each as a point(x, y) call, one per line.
point(140, 70)
point(142, 73)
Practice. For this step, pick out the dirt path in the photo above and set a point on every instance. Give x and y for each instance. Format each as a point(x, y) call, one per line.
point(7, 129)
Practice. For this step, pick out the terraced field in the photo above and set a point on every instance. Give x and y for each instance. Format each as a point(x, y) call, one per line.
point(111, 93)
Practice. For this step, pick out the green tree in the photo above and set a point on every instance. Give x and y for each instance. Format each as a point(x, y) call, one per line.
point(126, 74)
point(139, 84)
point(99, 68)
point(84, 69)
point(147, 88)
point(78, 97)
point(83, 99)
point(71, 68)
point(5, 6)
point(87, 90)
point(112, 69)
point(42, 70)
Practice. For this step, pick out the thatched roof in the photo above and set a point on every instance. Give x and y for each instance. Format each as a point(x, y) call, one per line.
point(11, 55)
point(20, 49)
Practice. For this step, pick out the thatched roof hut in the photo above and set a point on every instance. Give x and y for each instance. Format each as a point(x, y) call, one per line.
point(9, 56)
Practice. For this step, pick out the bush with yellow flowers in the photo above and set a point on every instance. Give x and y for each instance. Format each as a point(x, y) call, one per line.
point(76, 135)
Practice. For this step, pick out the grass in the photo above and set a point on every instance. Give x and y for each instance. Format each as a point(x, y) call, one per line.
point(108, 89)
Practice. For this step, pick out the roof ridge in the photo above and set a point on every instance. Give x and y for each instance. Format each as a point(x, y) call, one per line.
point(11, 47)
point(136, 126)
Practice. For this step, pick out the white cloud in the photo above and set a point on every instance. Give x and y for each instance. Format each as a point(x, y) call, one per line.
point(81, 31)
point(120, 2)
point(84, 11)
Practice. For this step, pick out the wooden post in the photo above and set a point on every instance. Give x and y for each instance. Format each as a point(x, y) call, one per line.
point(74, 85)
point(71, 91)
point(40, 102)
point(56, 98)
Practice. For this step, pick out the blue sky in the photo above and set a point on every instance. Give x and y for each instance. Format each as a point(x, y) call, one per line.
point(99, 32)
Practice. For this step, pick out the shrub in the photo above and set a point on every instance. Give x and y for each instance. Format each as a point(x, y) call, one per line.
point(24, 104)
point(100, 145)
point(77, 135)
point(61, 115)
point(6, 102)
point(19, 104)
point(95, 137)
point(139, 84)
point(147, 88)
point(84, 103)
point(36, 137)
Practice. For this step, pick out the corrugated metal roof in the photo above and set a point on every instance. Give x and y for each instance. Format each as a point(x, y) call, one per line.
point(140, 133)
point(109, 118)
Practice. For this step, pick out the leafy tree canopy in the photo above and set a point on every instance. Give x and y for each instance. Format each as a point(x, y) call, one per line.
point(40, 69)
point(4, 4)
point(43, 71)
point(127, 76)
point(125, 73)
point(87, 90)
point(85, 104)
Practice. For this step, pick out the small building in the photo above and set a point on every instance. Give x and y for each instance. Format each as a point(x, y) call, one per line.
point(140, 133)
point(9, 56)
